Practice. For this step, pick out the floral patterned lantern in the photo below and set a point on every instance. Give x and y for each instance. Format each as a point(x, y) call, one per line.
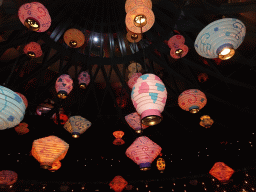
point(177, 46)
point(220, 38)
point(149, 97)
point(133, 79)
point(63, 86)
point(160, 163)
point(129, 4)
point(221, 171)
point(63, 118)
point(22, 128)
point(118, 135)
point(83, 79)
point(118, 183)
point(55, 166)
point(74, 38)
point(48, 150)
point(33, 50)
point(134, 122)
point(206, 121)
point(8, 177)
point(202, 77)
point(143, 151)
point(12, 108)
point(23, 98)
point(77, 125)
point(192, 100)
point(35, 16)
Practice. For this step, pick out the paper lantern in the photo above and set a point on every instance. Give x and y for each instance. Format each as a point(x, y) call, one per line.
point(206, 121)
point(134, 67)
point(133, 79)
point(192, 100)
point(43, 108)
point(8, 177)
point(33, 50)
point(74, 38)
point(48, 150)
point(134, 122)
point(139, 19)
point(83, 79)
point(63, 118)
point(149, 97)
point(118, 183)
point(160, 164)
point(22, 128)
point(221, 171)
point(55, 166)
point(12, 108)
point(118, 135)
point(133, 37)
point(63, 86)
point(129, 4)
point(175, 41)
point(220, 38)
point(178, 48)
point(180, 52)
point(35, 16)
point(202, 77)
point(77, 125)
point(24, 99)
point(143, 151)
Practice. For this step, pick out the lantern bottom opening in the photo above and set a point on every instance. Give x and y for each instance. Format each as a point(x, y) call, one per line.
point(118, 141)
point(138, 130)
point(32, 24)
point(145, 166)
point(225, 51)
point(45, 166)
point(151, 117)
point(82, 85)
point(62, 94)
point(194, 109)
point(75, 134)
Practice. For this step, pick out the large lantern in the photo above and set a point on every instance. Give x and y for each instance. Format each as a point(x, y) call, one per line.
point(22, 128)
point(118, 183)
point(55, 166)
point(192, 100)
point(48, 150)
point(134, 121)
point(160, 164)
point(143, 151)
point(177, 46)
point(77, 125)
point(8, 177)
point(33, 50)
point(149, 97)
point(12, 108)
point(220, 38)
point(23, 98)
point(118, 135)
point(63, 86)
point(35, 16)
point(74, 38)
point(221, 171)
point(133, 79)
point(83, 79)
point(129, 4)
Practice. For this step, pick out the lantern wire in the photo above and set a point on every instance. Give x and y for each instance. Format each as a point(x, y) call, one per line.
point(146, 69)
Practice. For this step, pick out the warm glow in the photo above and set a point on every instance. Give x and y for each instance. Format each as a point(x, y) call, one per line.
point(221, 171)
point(140, 20)
point(31, 25)
point(73, 43)
point(118, 183)
point(226, 53)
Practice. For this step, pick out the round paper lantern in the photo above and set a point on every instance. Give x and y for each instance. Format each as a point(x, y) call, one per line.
point(118, 183)
point(202, 77)
point(22, 128)
point(221, 171)
point(63, 118)
point(24, 99)
point(33, 50)
point(192, 100)
point(139, 19)
point(55, 166)
point(74, 38)
point(83, 79)
point(129, 4)
point(12, 108)
point(206, 121)
point(134, 122)
point(48, 150)
point(220, 38)
point(175, 41)
point(149, 97)
point(63, 86)
point(77, 125)
point(160, 164)
point(35, 16)
point(118, 135)
point(133, 79)
point(143, 151)
point(178, 49)
point(8, 177)
point(133, 37)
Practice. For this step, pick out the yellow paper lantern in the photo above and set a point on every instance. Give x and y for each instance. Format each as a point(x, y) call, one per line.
point(160, 164)
point(74, 38)
point(206, 121)
point(129, 4)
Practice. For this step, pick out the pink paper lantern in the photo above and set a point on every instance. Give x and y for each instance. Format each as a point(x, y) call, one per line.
point(64, 85)
point(175, 41)
point(33, 49)
point(24, 99)
point(35, 12)
point(134, 122)
point(129, 4)
point(8, 177)
point(143, 152)
point(177, 46)
point(192, 100)
point(133, 79)
point(149, 97)
point(180, 52)
point(83, 79)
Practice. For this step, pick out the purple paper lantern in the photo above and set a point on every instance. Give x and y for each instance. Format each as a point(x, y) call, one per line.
point(63, 86)
point(83, 79)
point(134, 122)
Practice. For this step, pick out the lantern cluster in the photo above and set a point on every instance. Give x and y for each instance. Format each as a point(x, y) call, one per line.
point(177, 46)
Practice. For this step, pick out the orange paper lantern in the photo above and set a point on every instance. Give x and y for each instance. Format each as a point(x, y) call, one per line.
point(8, 177)
point(221, 171)
point(74, 38)
point(118, 135)
point(206, 121)
point(33, 50)
point(22, 128)
point(129, 4)
point(55, 166)
point(118, 183)
point(160, 164)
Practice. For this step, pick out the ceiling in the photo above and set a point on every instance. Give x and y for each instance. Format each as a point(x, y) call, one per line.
point(189, 149)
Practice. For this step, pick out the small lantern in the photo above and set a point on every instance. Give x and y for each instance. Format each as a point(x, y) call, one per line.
point(133, 79)
point(118, 183)
point(160, 163)
point(83, 79)
point(133, 37)
point(149, 97)
point(35, 16)
point(63, 118)
point(134, 122)
point(33, 50)
point(48, 150)
point(74, 38)
point(77, 125)
point(118, 135)
point(55, 166)
point(25, 101)
point(129, 4)
point(8, 177)
point(192, 100)
point(43, 108)
point(22, 128)
point(143, 151)
point(63, 86)
point(178, 48)
point(221, 171)
point(202, 77)
point(206, 121)
point(134, 67)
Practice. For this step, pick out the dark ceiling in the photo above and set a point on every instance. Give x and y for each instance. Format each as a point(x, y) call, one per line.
point(189, 149)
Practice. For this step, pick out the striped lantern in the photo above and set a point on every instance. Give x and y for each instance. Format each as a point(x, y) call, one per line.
point(55, 166)
point(33, 50)
point(118, 183)
point(129, 4)
point(149, 97)
point(25, 101)
point(192, 100)
point(64, 85)
point(133, 79)
point(48, 150)
point(143, 151)
point(12, 108)
point(221, 171)
point(35, 16)
point(83, 79)
point(134, 121)
point(77, 125)
point(8, 177)
point(177, 46)
point(118, 135)
point(22, 128)
point(74, 38)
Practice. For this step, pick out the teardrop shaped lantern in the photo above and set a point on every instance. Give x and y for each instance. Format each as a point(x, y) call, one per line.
point(74, 38)
point(192, 100)
point(63, 86)
point(83, 79)
point(22, 128)
point(143, 151)
point(118, 183)
point(24, 99)
point(220, 38)
point(55, 166)
point(8, 177)
point(177, 46)
point(221, 171)
point(48, 150)
point(133, 79)
point(160, 164)
point(77, 125)
point(35, 16)
point(206, 121)
point(134, 121)
point(33, 50)
point(129, 4)
point(149, 97)
point(118, 135)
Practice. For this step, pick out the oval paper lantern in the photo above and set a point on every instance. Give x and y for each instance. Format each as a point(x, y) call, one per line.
point(118, 183)
point(12, 108)
point(22, 128)
point(178, 48)
point(160, 164)
point(133, 79)
point(77, 125)
point(83, 79)
point(192, 100)
point(74, 38)
point(206, 121)
point(55, 166)
point(149, 97)
point(221, 171)
point(226, 33)
point(63, 86)
point(48, 150)
point(35, 16)
point(129, 4)
point(143, 151)
point(24, 99)
point(118, 135)
point(134, 122)
point(33, 49)
point(8, 177)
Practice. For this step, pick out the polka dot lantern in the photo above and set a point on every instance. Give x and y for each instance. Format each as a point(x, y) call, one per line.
point(24, 99)
point(149, 97)
point(133, 79)
point(63, 86)
point(143, 152)
point(129, 4)
point(74, 38)
point(33, 50)
point(83, 79)
point(134, 121)
point(35, 16)
point(8, 177)
point(177, 46)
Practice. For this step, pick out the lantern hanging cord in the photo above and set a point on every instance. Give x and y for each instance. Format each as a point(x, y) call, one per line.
point(146, 69)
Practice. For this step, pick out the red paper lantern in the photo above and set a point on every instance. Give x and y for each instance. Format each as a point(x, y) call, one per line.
point(118, 135)
point(202, 77)
point(33, 50)
point(55, 166)
point(63, 118)
point(221, 171)
point(22, 128)
point(24, 99)
point(177, 46)
point(83, 79)
point(8, 177)
point(63, 86)
point(118, 183)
